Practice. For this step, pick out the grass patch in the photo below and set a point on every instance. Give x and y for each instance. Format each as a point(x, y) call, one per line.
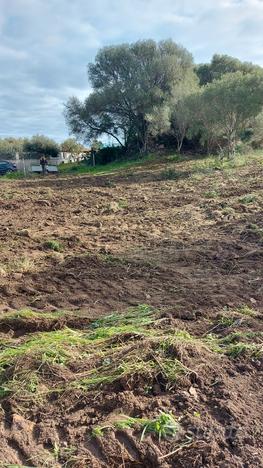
point(21, 265)
point(211, 194)
point(140, 316)
point(255, 229)
point(54, 245)
point(246, 310)
point(165, 426)
point(123, 204)
point(117, 346)
point(227, 321)
point(84, 168)
point(169, 174)
point(246, 199)
point(26, 314)
point(14, 175)
point(237, 344)
point(132, 347)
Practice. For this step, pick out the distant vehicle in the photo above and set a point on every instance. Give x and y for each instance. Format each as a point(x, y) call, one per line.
point(6, 167)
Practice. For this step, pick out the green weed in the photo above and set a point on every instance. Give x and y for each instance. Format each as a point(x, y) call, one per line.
point(54, 245)
point(123, 204)
point(237, 349)
point(245, 310)
point(169, 174)
point(125, 346)
point(99, 431)
point(25, 314)
point(236, 344)
point(227, 321)
point(256, 230)
point(246, 199)
point(165, 426)
point(211, 194)
point(140, 316)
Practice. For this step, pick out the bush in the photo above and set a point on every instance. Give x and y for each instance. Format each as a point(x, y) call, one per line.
point(108, 154)
point(169, 174)
point(53, 245)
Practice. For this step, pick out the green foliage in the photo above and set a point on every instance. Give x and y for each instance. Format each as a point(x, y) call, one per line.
point(211, 194)
point(256, 128)
point(40, 145)
point(256, 230)
point(222, 65)
point(223, 109)
point(108, 342)
point(165, 426)
point(131, 347)
point(227, 321)
point(10, 146)
point(237, 349)
point(109, 154)
point(84, 168)
point(53, 245)
point(236, 344)
point(71, 145)
point(26, 314)
point(126, 89)
point(249, 198)
point(99, 431)
point(169, 174)
point(14, 175)
point(140, 316)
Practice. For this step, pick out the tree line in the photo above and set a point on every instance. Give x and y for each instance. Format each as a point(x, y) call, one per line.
point(147, 94)
point(37, 146)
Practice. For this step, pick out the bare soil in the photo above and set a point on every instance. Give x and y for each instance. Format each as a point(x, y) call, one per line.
point(192, 248)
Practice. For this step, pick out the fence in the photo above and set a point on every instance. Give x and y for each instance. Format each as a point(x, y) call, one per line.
point(24, 163)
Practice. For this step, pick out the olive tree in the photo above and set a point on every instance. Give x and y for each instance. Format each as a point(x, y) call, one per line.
point(225, 107)
point(41, 145)
point(129, 82)
point(70, 145)
point(9, 147)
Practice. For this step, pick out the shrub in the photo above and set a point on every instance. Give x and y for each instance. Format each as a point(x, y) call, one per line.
point(53, 245)
point(169, 174)
point(108, 154)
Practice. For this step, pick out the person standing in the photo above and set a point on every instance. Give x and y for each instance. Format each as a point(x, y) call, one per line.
point(43, 163)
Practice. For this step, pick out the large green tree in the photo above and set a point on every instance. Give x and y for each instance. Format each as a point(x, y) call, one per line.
point(71, 145)
point(129, 82)
point(9, 147)
point(41, 145)
point(225, 107)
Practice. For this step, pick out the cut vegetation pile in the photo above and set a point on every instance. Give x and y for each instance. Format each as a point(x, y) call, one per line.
point(129, 388)
point(175, 383)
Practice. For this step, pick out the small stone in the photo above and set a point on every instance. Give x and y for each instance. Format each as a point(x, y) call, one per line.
point(23, 233)
point(17, 276)
point(44, 202)
point(193, 393)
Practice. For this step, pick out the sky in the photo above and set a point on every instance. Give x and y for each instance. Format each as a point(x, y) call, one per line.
point(45, 46)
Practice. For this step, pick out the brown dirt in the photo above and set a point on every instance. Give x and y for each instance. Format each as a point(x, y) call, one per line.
point(128, 239)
